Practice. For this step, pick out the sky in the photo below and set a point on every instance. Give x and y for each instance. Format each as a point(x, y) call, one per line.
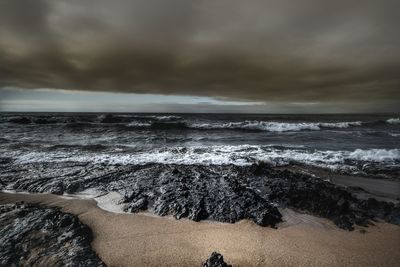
point(255, 56)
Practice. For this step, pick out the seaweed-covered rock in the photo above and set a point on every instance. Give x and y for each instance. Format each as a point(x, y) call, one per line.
point(33, 235)
point(216, 260)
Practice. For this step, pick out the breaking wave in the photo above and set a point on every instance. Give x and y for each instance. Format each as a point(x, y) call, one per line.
point(377, 155)
point(177, 122)
point(276, 126)
point(393, 121)
point(163, 118)
point(224, 155)
point(245, 125)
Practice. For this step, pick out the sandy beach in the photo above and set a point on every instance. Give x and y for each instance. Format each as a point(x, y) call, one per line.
point(303, 240)
point(199, 133)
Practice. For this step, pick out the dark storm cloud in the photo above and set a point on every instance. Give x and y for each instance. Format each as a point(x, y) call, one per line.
point(310, 50)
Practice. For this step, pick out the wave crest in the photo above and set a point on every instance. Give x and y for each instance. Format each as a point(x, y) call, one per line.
point(275, 126)
point(393, 121)
point(351, 161)
point(377, 155)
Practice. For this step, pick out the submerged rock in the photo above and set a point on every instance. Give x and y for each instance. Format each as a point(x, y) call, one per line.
point(216, 260)
point(33, 235)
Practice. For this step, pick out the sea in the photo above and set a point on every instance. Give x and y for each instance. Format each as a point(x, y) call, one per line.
point(346, 143)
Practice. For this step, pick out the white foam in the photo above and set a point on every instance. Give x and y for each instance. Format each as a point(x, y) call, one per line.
point(89, 193)
point(110, 202)
point(223, 155)
point(250, 125)
point(139, 124)
point(159, 118)
point(11, 191)
point(167, 118)
point(106, 201)
point(393, 121)
point(275, 126)
point(377, 155)
point(340, 124)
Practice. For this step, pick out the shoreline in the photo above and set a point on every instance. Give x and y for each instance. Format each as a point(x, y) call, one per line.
point(122, 239)
point(387, 190)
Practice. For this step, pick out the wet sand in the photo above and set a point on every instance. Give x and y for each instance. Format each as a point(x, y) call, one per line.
point(381, 189)
point(303, 240)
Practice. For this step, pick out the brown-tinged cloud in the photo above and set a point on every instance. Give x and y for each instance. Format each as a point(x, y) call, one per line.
point(284, 51)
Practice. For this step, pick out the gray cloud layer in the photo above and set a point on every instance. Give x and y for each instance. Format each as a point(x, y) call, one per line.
point(325, 51)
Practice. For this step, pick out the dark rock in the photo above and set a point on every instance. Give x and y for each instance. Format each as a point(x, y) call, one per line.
point(73, 187)
point(330, 201)
point(224, 193)
point(260, 168)
point(138, 205)
point(41, 236)
point(186, 195)
point(216, 260)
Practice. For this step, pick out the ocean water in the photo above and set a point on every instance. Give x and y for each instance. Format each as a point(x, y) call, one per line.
point(356, 144)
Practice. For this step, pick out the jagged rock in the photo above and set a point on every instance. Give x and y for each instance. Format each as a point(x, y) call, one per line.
point(328, 200)
point(224, 193)
point(222, 199)
point(216, 260)
point(33, 235)
point(138, 205)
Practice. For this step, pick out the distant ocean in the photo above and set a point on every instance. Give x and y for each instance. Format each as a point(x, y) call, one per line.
point(354, 144)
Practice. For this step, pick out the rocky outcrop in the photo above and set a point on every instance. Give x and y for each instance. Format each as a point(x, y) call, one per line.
point(327, 200)
point(224, 193)
point(33, 235)
point(198, 193)
point(216, 260)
